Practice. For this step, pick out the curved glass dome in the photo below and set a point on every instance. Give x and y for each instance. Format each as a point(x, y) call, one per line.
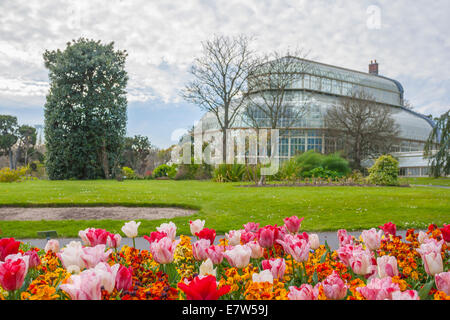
point(317, 88)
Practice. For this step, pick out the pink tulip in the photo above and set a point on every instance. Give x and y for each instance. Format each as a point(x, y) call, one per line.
point(169, 228)
point(34, 259)
point(346, 252)
point(387, 266)
point(163, 250)
point(257, 250)
point(431, 256)
point(251, 227)
point(372, 238)
point(344, 238)
point(71, 255)
point(124, 278)
point(423, 237)
point(305, 292)
point(196, 226)
point(93, 237)
point(114, 240)
point(267, 236)
point(12, 273)
point(107, 275)
point(85, 286)
point(361, 262)
point(443, 282)
point(215, 254)
point(239, 256)
point(199, 249)
point(246, 237)
point(334, 287)
point(406, 295)
point(379, 289)
point(92, 256)
point(293, 223)
point(234, 237)
point(276, 266)
point(52, 245)
point(298, 249)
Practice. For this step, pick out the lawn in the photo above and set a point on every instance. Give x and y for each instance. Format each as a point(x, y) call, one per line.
point(427, 181)
point(227, 206)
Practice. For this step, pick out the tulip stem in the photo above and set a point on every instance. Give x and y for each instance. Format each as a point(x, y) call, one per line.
point(134, 244)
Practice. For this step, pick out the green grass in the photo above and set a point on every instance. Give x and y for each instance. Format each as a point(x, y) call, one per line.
point(427, 181)
point(226, 206)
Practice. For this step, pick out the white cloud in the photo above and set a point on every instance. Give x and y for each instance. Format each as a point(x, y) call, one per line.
point(163, 37)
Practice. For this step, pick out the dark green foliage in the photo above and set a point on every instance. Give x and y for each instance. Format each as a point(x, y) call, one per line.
point(165, 170)
point(314, 165)
point(334, 162)
point(8, 136)
point(86, 110)
point(135, 151)
point(194, 172)
point(439, 141)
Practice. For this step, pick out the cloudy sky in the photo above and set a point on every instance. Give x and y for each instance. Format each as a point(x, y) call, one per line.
point(408, 38)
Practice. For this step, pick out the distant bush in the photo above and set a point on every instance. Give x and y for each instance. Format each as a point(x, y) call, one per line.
point(229, 173)
point(385, 171)
point(194, 172)
point(129, 173)
point(334, 162)
point(165, 171)
point(11, 175)
point(314, 165)
point(321, 173)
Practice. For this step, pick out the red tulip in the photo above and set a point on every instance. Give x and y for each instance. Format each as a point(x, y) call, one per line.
point(208, 234)
point(203, 288)
point(155, 236)
point(446, 232)
point(12, 274)
point(7, 247)
point(389, 228)
point(124, 278)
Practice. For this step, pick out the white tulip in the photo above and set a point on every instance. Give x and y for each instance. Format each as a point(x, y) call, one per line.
point(131, 229)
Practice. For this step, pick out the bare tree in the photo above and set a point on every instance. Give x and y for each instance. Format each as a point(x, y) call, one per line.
point(268, 104)
point(364, 127)
point(220, 79)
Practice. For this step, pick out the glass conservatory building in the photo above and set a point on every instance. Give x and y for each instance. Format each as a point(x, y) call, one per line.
point(320, 87)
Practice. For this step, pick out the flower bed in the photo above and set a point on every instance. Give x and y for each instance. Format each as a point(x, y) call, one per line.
point(254, 263)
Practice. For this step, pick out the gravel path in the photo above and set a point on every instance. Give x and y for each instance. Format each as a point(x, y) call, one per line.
point(91, 213)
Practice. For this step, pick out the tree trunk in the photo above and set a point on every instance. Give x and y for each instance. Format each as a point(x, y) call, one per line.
point(105, 163)
point(11, 159)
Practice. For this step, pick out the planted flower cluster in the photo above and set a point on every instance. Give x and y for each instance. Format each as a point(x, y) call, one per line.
point(254, 263)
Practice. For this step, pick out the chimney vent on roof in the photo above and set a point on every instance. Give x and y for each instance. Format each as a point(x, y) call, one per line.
point(373, 67)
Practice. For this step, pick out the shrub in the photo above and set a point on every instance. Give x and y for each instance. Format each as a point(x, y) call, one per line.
point(385, 171)
point(312, 164)
point(129, 173)
point(11, 175)
point(321, 173)
point(165, 170)
point(308, 161)
point(229, 173)
point(334, 162)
